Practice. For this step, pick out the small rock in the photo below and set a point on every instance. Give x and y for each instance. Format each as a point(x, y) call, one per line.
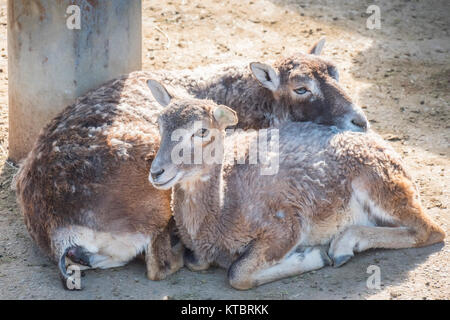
point(391, 137)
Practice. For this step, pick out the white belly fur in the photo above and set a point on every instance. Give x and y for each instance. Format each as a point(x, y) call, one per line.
point(108, 249)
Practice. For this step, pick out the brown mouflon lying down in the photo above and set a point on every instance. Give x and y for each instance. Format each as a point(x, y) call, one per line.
point(84, 188)
point(300, 87)
point(342, 188)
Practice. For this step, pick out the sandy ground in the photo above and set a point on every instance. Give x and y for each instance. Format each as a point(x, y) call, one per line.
point(399, 74)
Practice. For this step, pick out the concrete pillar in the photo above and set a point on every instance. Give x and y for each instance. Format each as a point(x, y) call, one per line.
point(57, 53)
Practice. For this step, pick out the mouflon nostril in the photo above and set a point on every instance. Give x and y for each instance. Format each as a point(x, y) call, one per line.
point(157, 174)
point(360, 121)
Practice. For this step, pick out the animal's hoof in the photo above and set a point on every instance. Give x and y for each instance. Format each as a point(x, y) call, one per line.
point(79, 255)
point(340, 260)
point(325, 258)
point(192, 263)
point(156, 276)
point(189, 259)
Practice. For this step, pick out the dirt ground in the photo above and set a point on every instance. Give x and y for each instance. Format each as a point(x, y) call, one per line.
point(399, 74)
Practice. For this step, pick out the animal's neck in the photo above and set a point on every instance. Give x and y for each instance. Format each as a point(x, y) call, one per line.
point(198, 202)
point(255, 105)
point(238, 89)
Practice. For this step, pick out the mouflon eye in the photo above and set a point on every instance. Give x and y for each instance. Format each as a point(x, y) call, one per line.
point(301, 90)
point(202, 132)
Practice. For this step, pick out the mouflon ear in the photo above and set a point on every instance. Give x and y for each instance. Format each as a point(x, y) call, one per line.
point(159, 92)
point(334, 73)
point(266, 75)
point(225, 116)
point(317, 47)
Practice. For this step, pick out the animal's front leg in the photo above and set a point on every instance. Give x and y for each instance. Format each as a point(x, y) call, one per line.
point(193, 262)
point(163, 256)
point(258, 265)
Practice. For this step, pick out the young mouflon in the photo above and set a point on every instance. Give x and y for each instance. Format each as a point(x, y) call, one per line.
point(348, 190)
